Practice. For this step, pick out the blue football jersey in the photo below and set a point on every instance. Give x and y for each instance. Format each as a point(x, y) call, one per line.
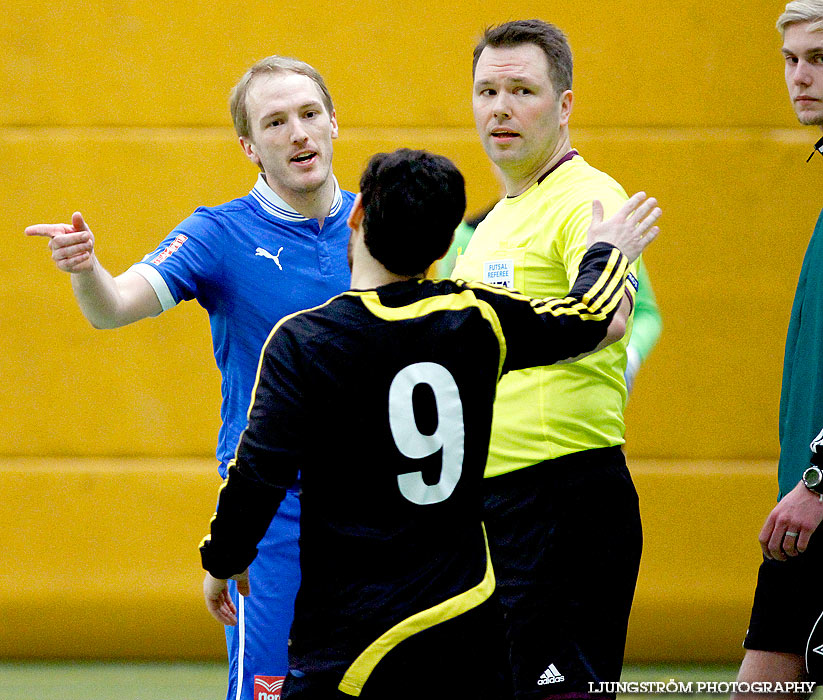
point(249, 262)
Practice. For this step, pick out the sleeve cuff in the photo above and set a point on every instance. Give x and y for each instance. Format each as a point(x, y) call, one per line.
point(158, 284)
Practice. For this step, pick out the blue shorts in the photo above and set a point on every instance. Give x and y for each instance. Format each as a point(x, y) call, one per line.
point(258, 645)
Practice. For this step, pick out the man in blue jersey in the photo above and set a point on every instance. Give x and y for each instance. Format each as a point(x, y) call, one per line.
point(249, 262)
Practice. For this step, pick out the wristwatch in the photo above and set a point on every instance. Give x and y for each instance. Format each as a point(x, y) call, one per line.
point(813, 479)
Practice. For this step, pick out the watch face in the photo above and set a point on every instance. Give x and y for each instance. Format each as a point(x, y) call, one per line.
point(812, 477)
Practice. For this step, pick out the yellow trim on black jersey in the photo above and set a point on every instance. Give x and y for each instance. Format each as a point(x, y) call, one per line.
point(358, 673)
point(225, 481)
point(615, 269)
point(263, 354)
point(600, 300)
point(277, 325)
point(617, 279)
point(447, 302)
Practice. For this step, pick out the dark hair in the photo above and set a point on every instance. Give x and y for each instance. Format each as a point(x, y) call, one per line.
point(412, 202)
point(551, 40)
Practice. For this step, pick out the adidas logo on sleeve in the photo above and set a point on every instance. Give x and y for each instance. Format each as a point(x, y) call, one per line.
point(551, 675)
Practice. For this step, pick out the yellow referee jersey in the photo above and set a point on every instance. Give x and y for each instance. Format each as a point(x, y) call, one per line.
point(534, 243)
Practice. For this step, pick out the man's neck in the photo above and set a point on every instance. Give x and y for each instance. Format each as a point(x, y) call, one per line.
point(517, 183)
point(373, 277)
point(368, 273)
point(313, 205)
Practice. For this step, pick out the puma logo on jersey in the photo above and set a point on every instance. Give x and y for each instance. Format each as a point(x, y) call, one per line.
point(551, 675)
point(266, 254)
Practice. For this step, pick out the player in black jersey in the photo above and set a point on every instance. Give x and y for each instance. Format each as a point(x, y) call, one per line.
point(381, 399)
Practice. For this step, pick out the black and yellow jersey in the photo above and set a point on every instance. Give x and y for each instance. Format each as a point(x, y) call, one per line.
point(381, 401)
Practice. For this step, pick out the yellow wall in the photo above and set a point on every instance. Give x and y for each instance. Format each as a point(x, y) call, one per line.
point(119, 110)
point(102, 559)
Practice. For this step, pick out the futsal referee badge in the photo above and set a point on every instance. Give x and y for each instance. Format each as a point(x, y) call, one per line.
point(499, 272)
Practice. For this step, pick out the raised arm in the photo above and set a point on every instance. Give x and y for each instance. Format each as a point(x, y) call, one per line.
point(594, 312)
point(106, 301)
point(631, 230)
point(632, 227)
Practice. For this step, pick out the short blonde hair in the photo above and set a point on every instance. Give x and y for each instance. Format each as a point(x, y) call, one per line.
point(270, 65)
point(802, 11)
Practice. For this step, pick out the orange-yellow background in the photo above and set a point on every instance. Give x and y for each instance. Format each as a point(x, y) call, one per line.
point(118, 109)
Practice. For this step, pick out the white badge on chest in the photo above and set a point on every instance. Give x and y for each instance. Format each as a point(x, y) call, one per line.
point(499, 272)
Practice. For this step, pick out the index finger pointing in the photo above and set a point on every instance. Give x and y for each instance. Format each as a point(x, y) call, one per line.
point(48, 230)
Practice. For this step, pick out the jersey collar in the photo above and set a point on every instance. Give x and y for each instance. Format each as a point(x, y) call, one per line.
point(274, 204)
point(571, 154)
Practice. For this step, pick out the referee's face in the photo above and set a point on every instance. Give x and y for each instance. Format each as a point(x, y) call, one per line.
point(519, 116)
point(291, 133)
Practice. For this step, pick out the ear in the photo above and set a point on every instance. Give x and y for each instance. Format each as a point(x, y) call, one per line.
point(250, 151)
point(566, 100)
point(357, 213)
point(333, 119)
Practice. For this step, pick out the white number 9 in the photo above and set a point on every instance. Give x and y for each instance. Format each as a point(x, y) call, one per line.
point(449, 434)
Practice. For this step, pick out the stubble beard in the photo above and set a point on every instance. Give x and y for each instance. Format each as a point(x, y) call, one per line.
point(814, 119)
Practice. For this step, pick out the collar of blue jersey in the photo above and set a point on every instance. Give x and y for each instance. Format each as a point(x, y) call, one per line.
point(274, 204)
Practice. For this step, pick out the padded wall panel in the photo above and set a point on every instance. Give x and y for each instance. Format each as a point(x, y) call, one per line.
point(700, 557)
point(102, 561)
point(388, 64)
point(739, 208)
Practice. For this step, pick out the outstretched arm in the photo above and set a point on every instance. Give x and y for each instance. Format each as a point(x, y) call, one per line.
point(631, 230)
point(106, 301)
point(547, 331)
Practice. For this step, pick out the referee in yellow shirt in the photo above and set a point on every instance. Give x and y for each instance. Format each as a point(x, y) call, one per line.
point(561, 510)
